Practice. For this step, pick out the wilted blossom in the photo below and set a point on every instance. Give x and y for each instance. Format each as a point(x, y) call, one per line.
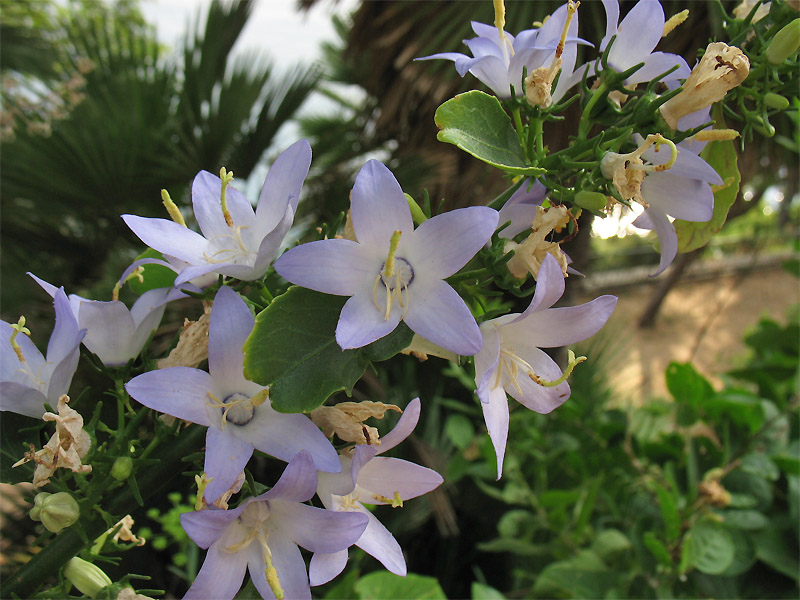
point(236, 241)
point(366, 478)
point(394, 272)
point(511, 361)
point(636, 37)
point(115, 333)
point(262, 535)
point(236, 411)
point(499, 57)
point(28, 379)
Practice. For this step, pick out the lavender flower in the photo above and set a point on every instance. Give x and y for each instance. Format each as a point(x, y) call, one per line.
point(499, 57)
point(365, 479)
point(236, 411)
point(262, 535)
point(521, 208)
point(28, 379)
point(512, 363)
point(636, 37)
point(114, 333)
point(394, 272)
point(236, 241)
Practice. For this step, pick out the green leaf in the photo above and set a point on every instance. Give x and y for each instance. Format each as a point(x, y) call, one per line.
point(153, 276)
point(714, 549)
point(610, 542)
point(721, 156)
point(485, 592)
point(669, 513)
point(476, 123)
point(383, 585)
point(773, 546)
point(744, 519)
point(758, 463)
point(293, 350)
point(687, 386)
point(459, 430)
point(744, 554)
point(520, 547)
point(584, 576)
point(657, 549)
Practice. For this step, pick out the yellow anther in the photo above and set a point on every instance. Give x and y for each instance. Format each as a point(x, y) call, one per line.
point(172, 208)
point(135, 274)
point(674, 21)
point(19, 327)
point(226, 177)
point(396, 501)
point(715, 135)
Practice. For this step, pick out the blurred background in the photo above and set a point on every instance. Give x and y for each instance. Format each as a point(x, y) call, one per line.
point(104, 103)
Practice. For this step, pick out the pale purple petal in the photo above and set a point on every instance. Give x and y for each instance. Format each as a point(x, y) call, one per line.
point(205, 527)
point(405, 425)
point(22, 399)
point(229, 327)
point(168, 237)
point(667, 238)
point(318, 529)
point(680, 197)
point(10, 366)
point(343, 482)
point(658, 63)
point(445, 243)
point(226, 458)
point(338, 267)
point(643, 222)
point(288, 563)
point(379, 543)
point(283, 183)
point(324, 567)
point(495, 413)
point(487, 360)
point(556, 327)
point(378, 206)
point(220, 577)
point(440, 315)
point(388, 476)
point(454, 56)
point(687, 164)
point(298, 481)
point(534, 396)
point(637, 34)
point(271, 245)
point(549, 287)
point(361, 323)
point(481, 46)
point(194, 271)
point(110, 331)
point(67, 335)
point(361, 456)
point(494, 73)
point(612, 20)
point(284, 435)
point(178, 391)
point(207, 205)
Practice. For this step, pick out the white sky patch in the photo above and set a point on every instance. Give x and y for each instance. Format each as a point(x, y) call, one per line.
point(619, 223)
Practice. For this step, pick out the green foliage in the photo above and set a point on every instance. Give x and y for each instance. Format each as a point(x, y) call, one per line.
point(387, 586)
point(476, 123)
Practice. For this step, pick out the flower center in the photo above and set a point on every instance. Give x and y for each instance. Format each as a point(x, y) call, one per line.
point(396, 275)
point(238, 408)
point(230, 247)
point(627, 171)
point(512, 365)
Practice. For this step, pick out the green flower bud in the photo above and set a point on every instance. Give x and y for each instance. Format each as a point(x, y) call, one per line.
point(55, 511)
point(784, 44)
point(122, 468)
point(36, 511)
point(591, 201)
point(773, 100)
point(88, 578)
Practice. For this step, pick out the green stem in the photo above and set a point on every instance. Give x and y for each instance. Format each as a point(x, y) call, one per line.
point(474, 274)
point(520, 129)
point(586, 124)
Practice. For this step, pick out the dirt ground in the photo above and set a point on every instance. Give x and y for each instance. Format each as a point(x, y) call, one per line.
point(700, 321)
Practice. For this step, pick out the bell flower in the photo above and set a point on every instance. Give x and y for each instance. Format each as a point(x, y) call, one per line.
point(521, 209)
point(113, 332)
point(262, 535)
point(236, 241)
point(498, 57)
point(28, 379)
point(511, 361)
point(236, 411)
point(366, 478)
point(394, 272)
point(636, 37)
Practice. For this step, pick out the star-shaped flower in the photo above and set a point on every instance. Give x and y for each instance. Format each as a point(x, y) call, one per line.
point(28, 379)
point(394, 272)
point(262, 535)
point(512, 363)
point(368, 479)
point(236, 411)
point(236, 241)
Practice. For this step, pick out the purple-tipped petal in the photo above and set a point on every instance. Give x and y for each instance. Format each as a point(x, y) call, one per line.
point(21, 399)
point(324, 567)
point(298, 481)
point(283, 184)
point(447, 242)
point(361, 323)
point(338, 267)
point(637, 34)
point(549, 287)
point(229, 327)
point(682, 198)
point(379, 543)
point(440, 315)
point(405, 425)
point(658, 63)
point(66, 335)
point(205, 527)
point(226, 458)
point(378, 206)
point(168, 237)
point(178, 391)
point(220, 577)
point(321, 530)
point(495, 413)
point(556, 327)
point(388, 476)
point(667, 238)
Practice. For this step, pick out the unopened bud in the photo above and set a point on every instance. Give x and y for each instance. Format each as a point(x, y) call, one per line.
point(592, 201)
point(88, 578)
point(55, 511)
point(776, 101)
point(784, 44)
point(122, 468)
